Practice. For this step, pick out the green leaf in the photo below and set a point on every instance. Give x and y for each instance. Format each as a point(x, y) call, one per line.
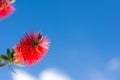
point(1, 59)
point(9, 54)
point(4, 57)
point(12, 53)
point(2, 65)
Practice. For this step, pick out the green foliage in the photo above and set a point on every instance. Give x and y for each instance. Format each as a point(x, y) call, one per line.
point(0, 59)
point(6, 59)
point(3, 57)
point(2, 65)
point(10, 54)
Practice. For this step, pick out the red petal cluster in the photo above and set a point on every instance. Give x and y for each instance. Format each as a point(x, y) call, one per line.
point(31, 48)
point(5, 8)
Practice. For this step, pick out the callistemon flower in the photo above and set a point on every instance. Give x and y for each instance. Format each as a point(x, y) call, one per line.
point(31, 48)
point(18, 59)
point(6, 8)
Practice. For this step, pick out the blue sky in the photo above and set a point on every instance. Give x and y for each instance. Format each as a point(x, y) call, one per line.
point(84, 35)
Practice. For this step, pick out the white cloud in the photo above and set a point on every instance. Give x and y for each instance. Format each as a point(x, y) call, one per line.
point(52, 74)
point(114, 64)
point(48, 74)
point(22, 75)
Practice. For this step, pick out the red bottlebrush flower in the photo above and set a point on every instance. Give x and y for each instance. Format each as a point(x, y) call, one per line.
point(6, 8)
point(31, 48)
point(18, 58)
